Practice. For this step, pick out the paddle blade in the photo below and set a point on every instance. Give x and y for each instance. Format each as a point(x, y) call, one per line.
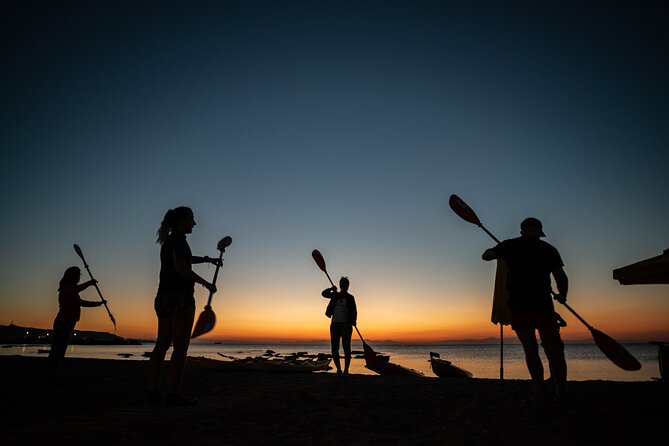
point(615, 352)
point(463, 210)
point(224, 243)
point(79, 252)
point(205, 323)
point(370, 354)
point(318, 258)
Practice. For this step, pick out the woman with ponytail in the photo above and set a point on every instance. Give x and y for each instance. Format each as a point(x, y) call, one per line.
point(175, 303)
point(69, 312)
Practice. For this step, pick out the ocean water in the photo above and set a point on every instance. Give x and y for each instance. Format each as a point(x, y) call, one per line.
point(584, 361)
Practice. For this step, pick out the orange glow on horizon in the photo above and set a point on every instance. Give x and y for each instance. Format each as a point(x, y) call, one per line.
point(298, 317)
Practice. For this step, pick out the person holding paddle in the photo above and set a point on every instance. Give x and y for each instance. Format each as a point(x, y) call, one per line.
point(531, 261)
point(175, 303)
point(69, 312)
point(344, 314)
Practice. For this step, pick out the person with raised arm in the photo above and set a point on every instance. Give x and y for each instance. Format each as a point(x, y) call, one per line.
point(343, 313)
point(69, 313)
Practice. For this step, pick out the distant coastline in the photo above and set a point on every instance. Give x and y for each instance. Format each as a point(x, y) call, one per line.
point(14, 334)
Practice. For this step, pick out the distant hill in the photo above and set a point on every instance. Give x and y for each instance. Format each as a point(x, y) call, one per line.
point(14, 334)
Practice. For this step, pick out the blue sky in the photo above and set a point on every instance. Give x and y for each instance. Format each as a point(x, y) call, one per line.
point(343, 126)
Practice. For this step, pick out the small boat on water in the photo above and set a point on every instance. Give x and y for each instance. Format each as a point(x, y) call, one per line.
point(445, 369)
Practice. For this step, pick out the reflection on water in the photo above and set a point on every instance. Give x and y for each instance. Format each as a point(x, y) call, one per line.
point(585, 361)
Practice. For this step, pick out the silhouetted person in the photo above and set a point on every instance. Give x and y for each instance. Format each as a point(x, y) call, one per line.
point(69, 312)
point(531, 262)
point(175, 304)
point(344, 314)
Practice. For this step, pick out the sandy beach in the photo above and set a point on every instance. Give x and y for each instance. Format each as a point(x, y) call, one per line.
point(102, 402)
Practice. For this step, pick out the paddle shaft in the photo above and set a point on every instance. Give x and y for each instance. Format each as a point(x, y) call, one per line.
point(331, 282)
point(80, 253)
point(361, 338)
point(566, 305)
point(489, 233)
point(213, 282)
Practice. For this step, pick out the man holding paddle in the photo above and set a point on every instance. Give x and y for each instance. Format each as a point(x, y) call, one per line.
point(531, 261)
point(344, 313)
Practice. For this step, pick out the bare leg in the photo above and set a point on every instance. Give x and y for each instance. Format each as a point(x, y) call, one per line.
point(62, 331)
point(529, 340)
point(334, 343)
point(346, 344)
point(163, 342)
point(182, 327)
point(554, 348)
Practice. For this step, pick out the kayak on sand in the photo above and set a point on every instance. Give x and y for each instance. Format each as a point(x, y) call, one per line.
point(445, 369)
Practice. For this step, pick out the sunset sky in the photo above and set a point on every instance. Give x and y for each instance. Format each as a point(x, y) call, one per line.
point(338, 125)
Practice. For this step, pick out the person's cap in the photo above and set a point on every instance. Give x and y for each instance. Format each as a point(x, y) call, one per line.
point(532, 222)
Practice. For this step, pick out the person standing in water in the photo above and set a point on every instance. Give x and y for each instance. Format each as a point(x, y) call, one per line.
point(531, 262)
point(69, 312)
point(175, 304)
point(344, 314)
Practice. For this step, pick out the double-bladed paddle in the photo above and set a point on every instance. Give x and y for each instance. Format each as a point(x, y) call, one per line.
point(207, 320)
point(610, 347)
point(80, 253)
point(320, 261)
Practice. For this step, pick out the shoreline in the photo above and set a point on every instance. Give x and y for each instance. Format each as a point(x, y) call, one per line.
point(103, 401)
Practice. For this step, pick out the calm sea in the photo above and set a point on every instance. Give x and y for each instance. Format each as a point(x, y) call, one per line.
point(585, 361)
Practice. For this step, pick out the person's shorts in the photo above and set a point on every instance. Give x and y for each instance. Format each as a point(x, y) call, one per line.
point(62, 331)
point(525, 319)
point(170, 303)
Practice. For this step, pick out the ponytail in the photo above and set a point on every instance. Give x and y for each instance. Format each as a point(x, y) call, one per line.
point(171, 220)
point(70, 277)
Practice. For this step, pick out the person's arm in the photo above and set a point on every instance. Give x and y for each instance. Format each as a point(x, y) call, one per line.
point(354, 312)
point(88, 303)
point(489, 254)
point(183, 268)
point(562, 283)
point(82, 286)
point(207, 259)
point(328, 293)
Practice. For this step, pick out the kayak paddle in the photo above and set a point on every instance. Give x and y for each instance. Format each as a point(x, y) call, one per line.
point(610, 347)
point(80, 253)
point(320, 261)
point(370, 354)
point(207, 320)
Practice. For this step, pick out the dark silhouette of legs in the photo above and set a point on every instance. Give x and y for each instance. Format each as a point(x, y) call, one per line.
point(175, 331)
point(346, 344)
point(334, 343)
point(529, 340)
point(62, 331)
point(554, 348)
point(182, 326)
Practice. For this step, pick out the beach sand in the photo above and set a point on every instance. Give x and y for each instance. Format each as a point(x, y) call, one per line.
point(102, 402)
